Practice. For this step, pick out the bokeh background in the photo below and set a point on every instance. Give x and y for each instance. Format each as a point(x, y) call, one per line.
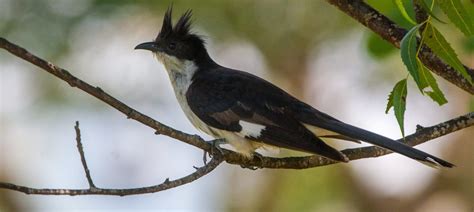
point(309, 48)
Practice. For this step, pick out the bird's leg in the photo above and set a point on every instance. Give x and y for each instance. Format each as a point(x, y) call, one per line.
point(216, 145)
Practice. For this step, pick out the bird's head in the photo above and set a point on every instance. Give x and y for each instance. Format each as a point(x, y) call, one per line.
point(176, 45)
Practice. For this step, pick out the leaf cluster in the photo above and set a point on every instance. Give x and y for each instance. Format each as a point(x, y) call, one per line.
point(411, 46)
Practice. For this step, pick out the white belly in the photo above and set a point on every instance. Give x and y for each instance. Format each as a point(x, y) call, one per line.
point(190, 115)
point(241, 144)
point(180, 73)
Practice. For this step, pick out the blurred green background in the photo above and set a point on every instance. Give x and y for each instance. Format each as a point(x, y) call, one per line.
point(309, 48)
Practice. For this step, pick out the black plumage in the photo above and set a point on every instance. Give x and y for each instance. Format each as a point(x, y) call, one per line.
point(224, 100)
point(223, 97)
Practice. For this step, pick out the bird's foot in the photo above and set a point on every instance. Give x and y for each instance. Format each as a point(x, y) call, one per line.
point(259, 157)
point(216, 146)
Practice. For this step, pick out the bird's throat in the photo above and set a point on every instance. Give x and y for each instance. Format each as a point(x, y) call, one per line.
point(180, 72)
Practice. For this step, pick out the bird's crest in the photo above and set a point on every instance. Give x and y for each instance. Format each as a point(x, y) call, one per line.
point(181, 28)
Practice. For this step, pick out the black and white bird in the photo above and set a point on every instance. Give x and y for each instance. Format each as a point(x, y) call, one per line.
point(249, 112)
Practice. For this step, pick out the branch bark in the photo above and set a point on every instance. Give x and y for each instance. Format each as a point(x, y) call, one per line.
point(393, 33)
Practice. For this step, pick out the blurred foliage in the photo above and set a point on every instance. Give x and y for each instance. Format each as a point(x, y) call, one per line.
point(377, 47)
point(468, 44)
point(471, 105)
point(285, 32)
point(323, 188)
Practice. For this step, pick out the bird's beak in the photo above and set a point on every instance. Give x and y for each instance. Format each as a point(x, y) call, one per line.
point(152, 46)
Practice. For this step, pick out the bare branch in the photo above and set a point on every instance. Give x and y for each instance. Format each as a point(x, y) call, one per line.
point(80, 149)
point(390, 31)
point(94, 190)
point(105, 97)
point(167, 184)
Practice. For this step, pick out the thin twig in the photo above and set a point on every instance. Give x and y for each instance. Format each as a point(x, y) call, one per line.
point(167, 184)
point(83, 157)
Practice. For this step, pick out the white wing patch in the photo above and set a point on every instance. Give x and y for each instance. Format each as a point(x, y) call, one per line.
point(251, 129)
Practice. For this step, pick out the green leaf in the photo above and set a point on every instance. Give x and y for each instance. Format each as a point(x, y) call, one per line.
point(408, 49)
point(398, 97)
point(423, 83)
point(433, 38)
point(389, 102)
point(458, 15)
point(403, 11)
point(378, 47)
point(427, 79)
point(437, 97)
point(427, 9)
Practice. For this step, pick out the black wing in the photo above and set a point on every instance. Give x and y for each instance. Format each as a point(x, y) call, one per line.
point(222, 98)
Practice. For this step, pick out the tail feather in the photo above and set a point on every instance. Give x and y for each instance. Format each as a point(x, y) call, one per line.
point(311, 116)
point(321, 148)
point(378, 140)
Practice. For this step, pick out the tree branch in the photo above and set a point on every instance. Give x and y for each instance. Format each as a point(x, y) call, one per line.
point(231, 157)
point(94, 190)
point(80, 149)
point(167, 184)
point(104, 97)
point(390, 31)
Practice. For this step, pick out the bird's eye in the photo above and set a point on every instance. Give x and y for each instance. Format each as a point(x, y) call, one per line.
point(172, 46)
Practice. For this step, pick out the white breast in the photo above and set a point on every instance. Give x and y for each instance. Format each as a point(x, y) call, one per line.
point(181, 73)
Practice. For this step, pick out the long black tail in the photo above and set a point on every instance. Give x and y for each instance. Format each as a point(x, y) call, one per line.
point(324, 121)
point(378, 140)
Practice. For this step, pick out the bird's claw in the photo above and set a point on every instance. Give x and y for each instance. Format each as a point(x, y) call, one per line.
point(216, 145)
point(255, 155)
point(204, 158)
point(260, 157)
